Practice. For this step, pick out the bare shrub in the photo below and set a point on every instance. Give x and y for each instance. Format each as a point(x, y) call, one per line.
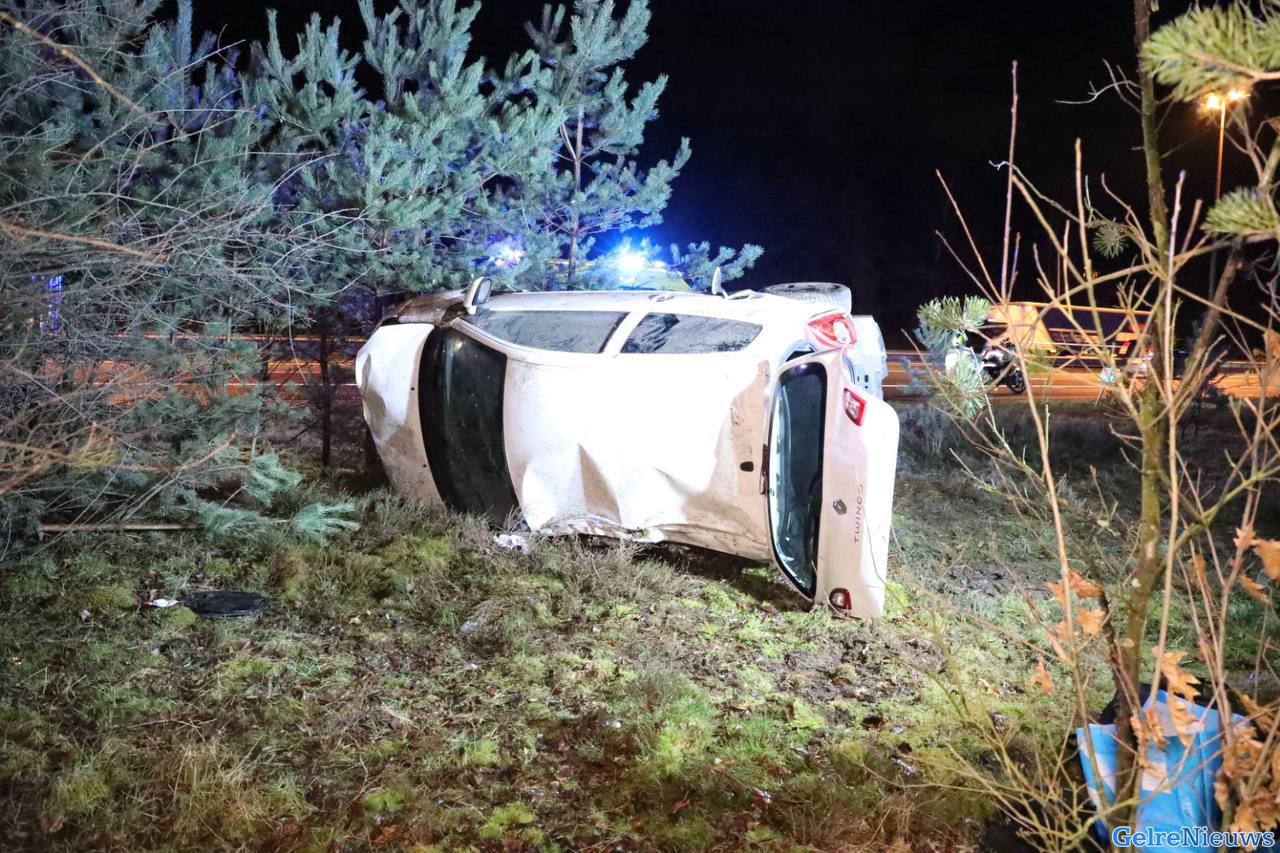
point(1166, 575)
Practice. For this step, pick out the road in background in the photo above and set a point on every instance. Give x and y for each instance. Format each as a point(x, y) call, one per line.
point(1069, 382)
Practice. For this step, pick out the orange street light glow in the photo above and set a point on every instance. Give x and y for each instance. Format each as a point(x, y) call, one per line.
point(1215, 101)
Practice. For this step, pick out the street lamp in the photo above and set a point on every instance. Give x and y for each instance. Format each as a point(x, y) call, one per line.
point(1219, 102)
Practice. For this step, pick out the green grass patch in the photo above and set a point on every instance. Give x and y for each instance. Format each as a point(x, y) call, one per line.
point(414, 685)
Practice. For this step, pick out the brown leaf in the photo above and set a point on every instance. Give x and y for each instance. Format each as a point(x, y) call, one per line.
point(1062, 631)
point(1143, 731)
point(1153, 725)
point(1077, 583)
point(1185, 723)
point(1268, 550)
point(384, 834)
point(1204, 651)
point(1243, 753)
point(1254, 589)
point(1041, 679)
point(1084, 588)
point(1198, 568)
point(1058, 649)
point(1244, 820)
point(1260, 714)
point(679, 806)
point(1178, 682)
point(1222, 790)
point(1265, 808)
point(1091, 621)
point(1244, 538)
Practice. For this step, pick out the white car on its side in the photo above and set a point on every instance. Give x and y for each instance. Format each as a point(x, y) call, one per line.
point(734, 423)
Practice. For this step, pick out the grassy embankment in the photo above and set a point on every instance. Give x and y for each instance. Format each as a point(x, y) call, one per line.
point(413, 684)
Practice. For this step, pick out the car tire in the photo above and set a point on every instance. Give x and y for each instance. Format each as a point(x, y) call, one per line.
point(1016, 382)
point(817, 292)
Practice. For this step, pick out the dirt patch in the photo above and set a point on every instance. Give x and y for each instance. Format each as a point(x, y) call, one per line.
point(989, 580)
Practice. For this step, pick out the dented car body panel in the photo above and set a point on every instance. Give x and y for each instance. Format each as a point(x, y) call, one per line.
point(644, 417)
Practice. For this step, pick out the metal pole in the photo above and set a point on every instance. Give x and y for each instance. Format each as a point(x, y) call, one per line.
point(1217, 188)
point(1222, 132)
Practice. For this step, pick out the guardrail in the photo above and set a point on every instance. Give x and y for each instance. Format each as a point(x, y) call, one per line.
point(1063, 362)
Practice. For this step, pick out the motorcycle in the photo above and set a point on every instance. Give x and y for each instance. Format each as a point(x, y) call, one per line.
point(998, 365)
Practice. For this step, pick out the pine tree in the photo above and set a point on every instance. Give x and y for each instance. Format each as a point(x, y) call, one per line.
point(140, 229)
point(162, 197)
point(595, 185)
point(1218, 49)
point(405, 170)
point(446, 161)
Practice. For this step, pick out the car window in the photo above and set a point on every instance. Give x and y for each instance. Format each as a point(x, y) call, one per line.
point(689, 333)
point(795, 472)
point(461, 386)
point(563, 331)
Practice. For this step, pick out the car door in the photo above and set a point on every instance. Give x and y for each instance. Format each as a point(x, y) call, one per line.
point(830, 460)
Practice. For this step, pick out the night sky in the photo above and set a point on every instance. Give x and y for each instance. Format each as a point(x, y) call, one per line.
point(817, 126)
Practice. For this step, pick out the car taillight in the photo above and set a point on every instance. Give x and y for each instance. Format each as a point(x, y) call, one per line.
point(854, 406)
point(840, 599)
point(834, 330)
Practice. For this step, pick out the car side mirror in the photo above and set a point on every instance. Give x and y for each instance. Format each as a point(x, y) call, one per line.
point(477, 294)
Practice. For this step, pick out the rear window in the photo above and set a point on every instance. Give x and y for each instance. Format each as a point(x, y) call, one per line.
point(688, 333)
point(563, 331)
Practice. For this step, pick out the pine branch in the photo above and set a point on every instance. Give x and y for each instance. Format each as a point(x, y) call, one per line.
point(73, 57)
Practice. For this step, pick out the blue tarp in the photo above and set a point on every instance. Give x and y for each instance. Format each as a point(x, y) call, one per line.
point(1177, 785)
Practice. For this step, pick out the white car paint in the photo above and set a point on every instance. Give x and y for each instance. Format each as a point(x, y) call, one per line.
point(389, 394)
point(655, 446)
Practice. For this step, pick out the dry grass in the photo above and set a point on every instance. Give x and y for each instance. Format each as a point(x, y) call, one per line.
point(413, 684)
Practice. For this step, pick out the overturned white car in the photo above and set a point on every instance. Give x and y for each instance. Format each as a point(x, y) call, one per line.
point(748, 424)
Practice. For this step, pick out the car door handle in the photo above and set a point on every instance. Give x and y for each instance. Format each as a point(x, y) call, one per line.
point(839, 507)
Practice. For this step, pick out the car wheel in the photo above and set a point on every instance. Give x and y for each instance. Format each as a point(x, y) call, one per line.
point(817, 292)
point(1016, 382)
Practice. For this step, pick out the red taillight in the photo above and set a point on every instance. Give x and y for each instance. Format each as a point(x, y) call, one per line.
point(840, 599)
point(834, 330)
point(854, 406)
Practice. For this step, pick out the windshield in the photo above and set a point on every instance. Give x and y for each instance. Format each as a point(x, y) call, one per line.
point(795, 472)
